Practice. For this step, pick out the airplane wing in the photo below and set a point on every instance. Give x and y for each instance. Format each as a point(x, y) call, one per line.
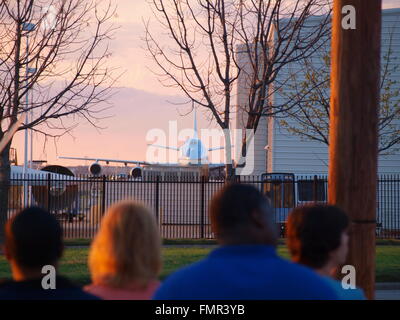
point(163, 147)
point(217, 148)
point(109, 160)
point(217, 165)
point(157, 164)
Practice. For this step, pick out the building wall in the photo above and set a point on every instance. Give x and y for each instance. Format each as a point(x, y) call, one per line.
point(240, 118)
point(291, 153)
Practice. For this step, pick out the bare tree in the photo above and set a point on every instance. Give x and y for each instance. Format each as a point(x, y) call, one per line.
point(310, 87)
point(56, 51)
point(205, 39)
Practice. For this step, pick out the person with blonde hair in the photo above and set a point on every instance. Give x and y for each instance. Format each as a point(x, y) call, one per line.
point(125, 256)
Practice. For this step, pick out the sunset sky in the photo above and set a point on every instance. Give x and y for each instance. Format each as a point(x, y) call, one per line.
point(141, 104)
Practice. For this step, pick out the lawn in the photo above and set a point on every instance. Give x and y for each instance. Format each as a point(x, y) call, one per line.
point(74, 264)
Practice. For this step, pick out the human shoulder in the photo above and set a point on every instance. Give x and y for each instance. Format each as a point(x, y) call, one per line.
point(176, 284)
point(4, 283)
point(305, 281)
point(33, 290)
point(131, 291)
point(345, 294)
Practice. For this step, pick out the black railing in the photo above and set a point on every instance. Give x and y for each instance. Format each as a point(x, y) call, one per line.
point(181, 205)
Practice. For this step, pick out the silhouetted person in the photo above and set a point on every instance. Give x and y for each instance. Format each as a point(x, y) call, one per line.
point(125, 257)
point(33, 240)
point(317, 236)
point(246, 265)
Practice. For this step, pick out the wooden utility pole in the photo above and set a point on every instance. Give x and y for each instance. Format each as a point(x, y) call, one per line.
point(353, 138)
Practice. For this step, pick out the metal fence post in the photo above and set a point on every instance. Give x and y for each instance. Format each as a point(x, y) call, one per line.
point(157, 198)
point(315, 189)
point(48, 191)
point(202, 205)
point(103, 200)
point(180, 207)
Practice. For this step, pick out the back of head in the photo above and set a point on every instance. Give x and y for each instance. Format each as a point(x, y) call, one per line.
point(240, 213)
point(313, 232)
point(34, 238)
point(127, 247)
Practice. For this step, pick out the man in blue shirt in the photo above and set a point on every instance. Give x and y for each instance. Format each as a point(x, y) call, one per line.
point(246, 265)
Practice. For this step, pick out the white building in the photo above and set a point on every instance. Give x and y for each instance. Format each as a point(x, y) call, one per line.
point(290, 153)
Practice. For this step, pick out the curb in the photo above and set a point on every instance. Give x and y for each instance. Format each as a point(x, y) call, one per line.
point(387, 286)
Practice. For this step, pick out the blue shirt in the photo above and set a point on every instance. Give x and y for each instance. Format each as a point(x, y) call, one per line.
point(345, 294)
point(242, 272)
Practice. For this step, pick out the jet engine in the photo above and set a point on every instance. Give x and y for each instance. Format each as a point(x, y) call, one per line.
point(136, 172)
point(56, 194)
point(95, 169)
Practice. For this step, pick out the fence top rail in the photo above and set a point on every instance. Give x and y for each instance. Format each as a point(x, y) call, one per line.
point(167, 179)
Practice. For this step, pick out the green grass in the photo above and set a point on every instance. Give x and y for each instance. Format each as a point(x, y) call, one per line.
point(175, 258)
point(388, 263)
point(74, 263)
point(86, 242)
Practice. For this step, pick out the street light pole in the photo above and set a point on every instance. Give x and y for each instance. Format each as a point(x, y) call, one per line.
point(31, 136)
point(28, 27)
point(26, 107)
point(30, 162)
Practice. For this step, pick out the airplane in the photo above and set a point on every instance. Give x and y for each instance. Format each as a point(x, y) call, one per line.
point(193, 153)
point(18, 172)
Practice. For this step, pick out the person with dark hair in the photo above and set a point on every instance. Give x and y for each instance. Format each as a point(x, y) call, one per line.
point(246, 265)
point(317, 237)
point(33, 246)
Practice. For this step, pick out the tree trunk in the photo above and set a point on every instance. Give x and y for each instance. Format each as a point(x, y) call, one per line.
point(353, 146)
point(245, 164)
point(230, 171)
point(4, 187)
